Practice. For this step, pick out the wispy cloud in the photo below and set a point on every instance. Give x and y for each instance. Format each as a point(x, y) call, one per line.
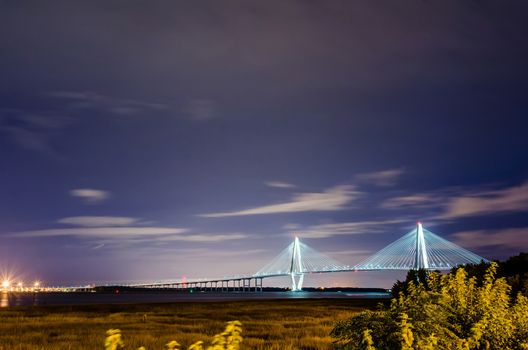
point(291, 226)
point(90, 195)
point(516, 238)
point(511, 199)
point(203, 252)
point(200, 109)
point(418, 200)
point(89, 100)
point(460, 202)
point(32, 130)
point(28, 139)
point(98, 221)
point(101, 232)
point(335, 198)
point(108, 235)
point(344, 228)
point(35, 129)
point(111, 230)
point(383, 178)
point(279, 184)
point(206, 237)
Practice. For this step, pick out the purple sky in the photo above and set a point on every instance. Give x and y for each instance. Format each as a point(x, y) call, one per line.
point(143, 140)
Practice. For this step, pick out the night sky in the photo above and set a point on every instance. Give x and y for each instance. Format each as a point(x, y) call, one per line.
point(146, 140)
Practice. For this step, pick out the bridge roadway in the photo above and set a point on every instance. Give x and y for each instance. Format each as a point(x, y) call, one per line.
point(251, 283)
point(237, 284)
point(226, 284)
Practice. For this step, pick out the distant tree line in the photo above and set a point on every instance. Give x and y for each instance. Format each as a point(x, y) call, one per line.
point(514, 270)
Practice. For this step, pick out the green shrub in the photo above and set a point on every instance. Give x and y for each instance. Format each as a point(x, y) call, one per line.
point(452, 311)
point(229, 339)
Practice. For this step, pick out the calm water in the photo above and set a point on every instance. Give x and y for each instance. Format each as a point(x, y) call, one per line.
point(28, 299)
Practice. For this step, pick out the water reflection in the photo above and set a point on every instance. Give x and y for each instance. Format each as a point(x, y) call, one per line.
point(8, 299)
point(4, 300)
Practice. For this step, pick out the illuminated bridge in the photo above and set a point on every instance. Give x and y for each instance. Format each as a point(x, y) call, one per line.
point(418, 249)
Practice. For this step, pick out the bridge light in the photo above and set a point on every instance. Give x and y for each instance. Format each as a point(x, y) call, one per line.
point(5, 284)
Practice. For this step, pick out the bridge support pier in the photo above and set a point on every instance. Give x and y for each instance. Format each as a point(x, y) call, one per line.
point(246, 284)
point(258, 284)
point(297, 285)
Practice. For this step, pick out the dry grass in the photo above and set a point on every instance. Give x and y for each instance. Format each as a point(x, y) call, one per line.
point(277, 324)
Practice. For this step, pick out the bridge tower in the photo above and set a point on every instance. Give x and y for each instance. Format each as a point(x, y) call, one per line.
point(297, 260)
point(296, 269)
point(421, 260)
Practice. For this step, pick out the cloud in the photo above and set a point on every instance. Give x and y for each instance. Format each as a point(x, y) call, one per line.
point(131, 234)
point(206, 237)
point(200, 109)
point(110, 230)
point(32, 130)
point(292, 226)
point(101, 232)
point(90, 195)
point(419, 200)
point(203, 253)
point(279, 184)
point(29, 139)
point(345, 228)
point(460, 202)
point(516, 238)
point(89, 100)
point(512, 199)
point(335, 198)
point(383, 178)
point(98, 221)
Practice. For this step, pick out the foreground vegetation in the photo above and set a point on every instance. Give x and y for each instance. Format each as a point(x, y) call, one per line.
point(229, 339)
point(514, 270)
point(274, 324)
point(453, 311)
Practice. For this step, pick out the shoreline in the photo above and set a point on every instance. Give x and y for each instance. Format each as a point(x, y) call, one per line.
point(21, 299)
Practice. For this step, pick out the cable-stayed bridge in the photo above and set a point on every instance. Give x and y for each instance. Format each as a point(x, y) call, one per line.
point(419, 248)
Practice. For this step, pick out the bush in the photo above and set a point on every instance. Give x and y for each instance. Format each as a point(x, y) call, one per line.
point(454, 312)
point(229, 339)
point(515, 270)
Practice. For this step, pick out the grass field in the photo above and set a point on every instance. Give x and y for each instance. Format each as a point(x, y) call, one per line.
point(275, 324)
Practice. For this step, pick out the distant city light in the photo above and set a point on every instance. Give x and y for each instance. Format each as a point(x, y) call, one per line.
point(8, 284)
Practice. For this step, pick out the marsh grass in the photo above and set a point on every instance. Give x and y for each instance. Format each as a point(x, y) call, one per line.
point(274, 324)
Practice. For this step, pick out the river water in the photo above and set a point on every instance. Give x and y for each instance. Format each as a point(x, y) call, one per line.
point(78, 298)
